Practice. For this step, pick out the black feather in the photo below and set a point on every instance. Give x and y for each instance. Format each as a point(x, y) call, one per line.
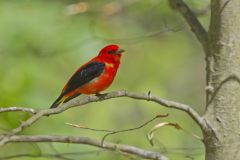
point(71, 97)
point(84, 75)
point(56, 102)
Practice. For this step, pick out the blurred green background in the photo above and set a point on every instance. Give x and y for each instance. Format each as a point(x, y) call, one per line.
point(43, 42)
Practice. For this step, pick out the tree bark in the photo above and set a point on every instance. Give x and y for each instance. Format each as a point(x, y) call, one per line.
point(222, 138)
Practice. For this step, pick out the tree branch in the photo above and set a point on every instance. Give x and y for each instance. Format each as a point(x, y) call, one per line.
point(93, 142)
point(191, 19)
point(17, 109)
point(51, 155)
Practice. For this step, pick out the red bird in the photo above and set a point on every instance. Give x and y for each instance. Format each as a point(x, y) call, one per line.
point(92, 77)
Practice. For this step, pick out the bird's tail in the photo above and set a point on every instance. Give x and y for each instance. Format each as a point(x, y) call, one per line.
point(58, 101)
point(63, 99)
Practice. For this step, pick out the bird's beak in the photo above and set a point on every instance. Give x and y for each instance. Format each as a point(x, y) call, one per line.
point(119, 51)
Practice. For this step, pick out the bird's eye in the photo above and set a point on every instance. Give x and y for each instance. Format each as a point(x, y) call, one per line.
point(110, 51)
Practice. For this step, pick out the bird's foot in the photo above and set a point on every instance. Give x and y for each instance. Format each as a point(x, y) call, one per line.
point(101, 96)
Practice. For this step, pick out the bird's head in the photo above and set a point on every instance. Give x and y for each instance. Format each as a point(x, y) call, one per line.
point(112, 52)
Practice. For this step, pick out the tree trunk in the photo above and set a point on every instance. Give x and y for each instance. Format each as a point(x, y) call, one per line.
point(222, 139)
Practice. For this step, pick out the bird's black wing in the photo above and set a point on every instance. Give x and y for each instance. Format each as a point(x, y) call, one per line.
point(84, 75)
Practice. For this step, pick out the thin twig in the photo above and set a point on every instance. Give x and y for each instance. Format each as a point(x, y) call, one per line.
point(140, 37)
point(111, 132)
point(88, 128)
point(89, 141)
point(131, 129)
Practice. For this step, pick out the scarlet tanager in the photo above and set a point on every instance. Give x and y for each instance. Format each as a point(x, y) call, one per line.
point(92, 77)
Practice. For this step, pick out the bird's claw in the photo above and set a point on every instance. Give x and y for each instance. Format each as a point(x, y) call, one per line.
point(101, 96)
